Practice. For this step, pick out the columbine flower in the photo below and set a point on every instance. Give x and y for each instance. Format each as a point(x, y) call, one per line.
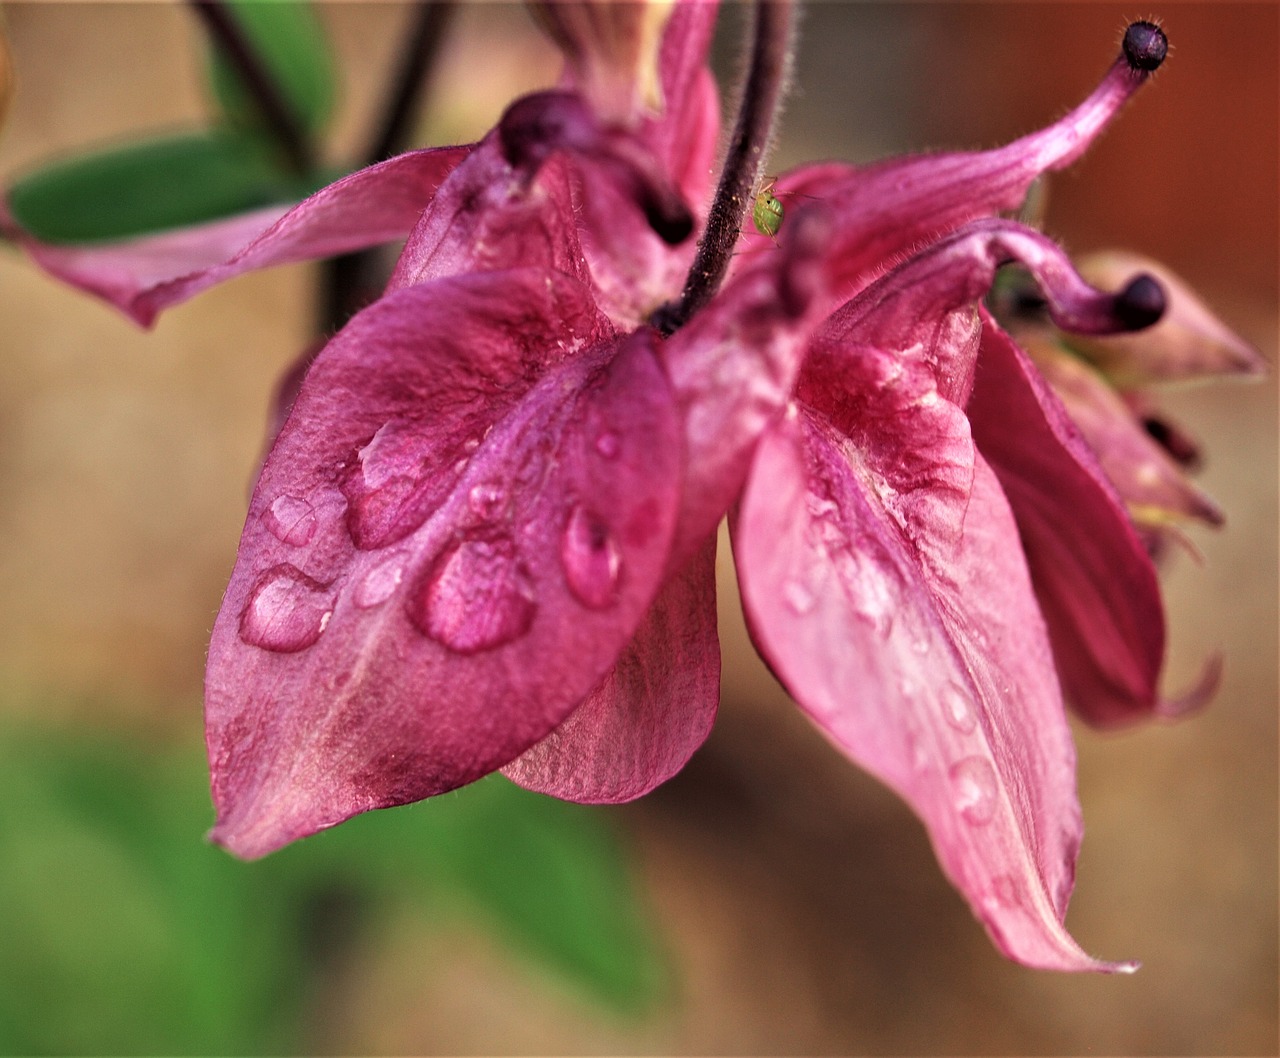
point(484, 538)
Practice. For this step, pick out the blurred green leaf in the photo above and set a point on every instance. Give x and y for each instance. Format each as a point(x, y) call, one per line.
point(149, 186)
point(551, 876)
point(289, 39)
point(123, 932)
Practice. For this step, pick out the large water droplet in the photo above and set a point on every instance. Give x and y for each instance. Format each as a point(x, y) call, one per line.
point(286, 611)
point(974, 786)
point(957, 707)
point(487, 500)
point(590, 558)
point(798, 597)
point(379, 582)
point(291, 519)
point(477, 595)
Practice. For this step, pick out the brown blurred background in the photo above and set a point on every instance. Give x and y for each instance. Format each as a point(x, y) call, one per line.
point(800, 902)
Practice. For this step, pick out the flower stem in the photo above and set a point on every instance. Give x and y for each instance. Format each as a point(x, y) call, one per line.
point(352, 280)
point(231, 41)
point(404, 97)
point(744, 162)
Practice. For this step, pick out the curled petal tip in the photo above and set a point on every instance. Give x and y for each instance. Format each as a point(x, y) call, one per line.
point(1197, 696)
point(1145, 46)
point(1141, 303)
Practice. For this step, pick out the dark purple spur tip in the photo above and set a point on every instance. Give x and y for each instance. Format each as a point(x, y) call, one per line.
point(1145, 46)
point(1141, 303)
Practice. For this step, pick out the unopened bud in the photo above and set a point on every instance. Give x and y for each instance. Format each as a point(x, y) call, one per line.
point(612, 51)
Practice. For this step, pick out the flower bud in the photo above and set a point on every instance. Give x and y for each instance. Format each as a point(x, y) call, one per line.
point(612, 51)
point(1189, 341)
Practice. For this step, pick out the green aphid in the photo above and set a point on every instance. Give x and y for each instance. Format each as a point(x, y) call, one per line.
point(767, 212)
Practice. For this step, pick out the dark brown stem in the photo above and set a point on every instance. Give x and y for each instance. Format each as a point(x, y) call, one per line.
point(230, 40)
point(404, 97)
point(744, 162)
point(352, 280)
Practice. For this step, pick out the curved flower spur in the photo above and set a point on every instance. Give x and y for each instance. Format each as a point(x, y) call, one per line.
point(484, 538)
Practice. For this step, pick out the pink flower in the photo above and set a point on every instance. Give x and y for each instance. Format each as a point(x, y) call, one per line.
point(484, 537)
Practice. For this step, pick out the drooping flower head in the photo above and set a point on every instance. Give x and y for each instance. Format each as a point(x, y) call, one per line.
point(484, 537)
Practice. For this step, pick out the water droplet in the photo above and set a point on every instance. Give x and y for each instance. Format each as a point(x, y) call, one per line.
point(379, 582)
point(286, 611)
point(477, 595)
point(974, 785)
point(487, 500)
point(920, 646)
point(958, 709)
point(590, 558)
point(608, 445)
point(798, 597)
point(292, 520)
point(1008, 892)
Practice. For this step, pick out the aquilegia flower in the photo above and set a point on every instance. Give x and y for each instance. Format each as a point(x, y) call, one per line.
point(484, 537)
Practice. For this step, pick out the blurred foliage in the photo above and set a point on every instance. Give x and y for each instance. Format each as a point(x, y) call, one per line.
point(160, 182)
point(291, 44)
point(123, 932)
point(151, 185)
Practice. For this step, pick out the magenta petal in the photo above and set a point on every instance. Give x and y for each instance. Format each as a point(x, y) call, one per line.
point(488, 216)
point(1154, 488)
point(1096, 584)
point(650, 713)
point(888, 209)
point(929, 666)
point(733, 367)
point(142, 276)
point(459, 529)
point(929, 300)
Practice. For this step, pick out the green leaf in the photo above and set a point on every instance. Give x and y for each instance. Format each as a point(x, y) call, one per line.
point(289, 39)
point(550, 876)
point(122, 932)
point(149, 186)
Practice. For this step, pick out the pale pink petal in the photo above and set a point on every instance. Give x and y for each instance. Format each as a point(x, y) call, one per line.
point(142, 276)
point(653, 709)
point(926, 661)
point(1097, 587)
point(459, 529)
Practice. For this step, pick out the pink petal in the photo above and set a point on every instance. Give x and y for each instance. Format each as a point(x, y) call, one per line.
point(733, 366)
point(458, 531)
point(888, 209)
point(489, 216)
point(1153, 487)
point(142, 276)
point(653, 709)
point(686, 135)
point(929, 300)
point(924, 658)
point(1096, 584)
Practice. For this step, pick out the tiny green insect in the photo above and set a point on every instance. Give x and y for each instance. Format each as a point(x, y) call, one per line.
point(767, 212)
